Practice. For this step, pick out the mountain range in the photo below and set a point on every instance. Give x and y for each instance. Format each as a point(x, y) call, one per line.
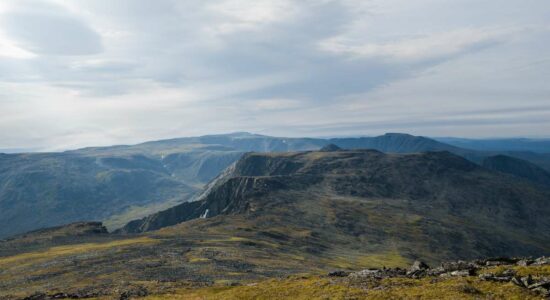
point(436, 205)
point(270, 215)
point(118, 184)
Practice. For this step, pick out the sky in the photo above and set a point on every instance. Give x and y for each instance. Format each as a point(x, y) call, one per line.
point(102, 72)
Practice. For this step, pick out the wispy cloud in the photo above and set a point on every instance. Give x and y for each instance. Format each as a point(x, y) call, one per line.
point(423, 47)
point(78, 73)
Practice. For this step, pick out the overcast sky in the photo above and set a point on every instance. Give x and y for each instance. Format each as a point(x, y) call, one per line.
point(101, 72)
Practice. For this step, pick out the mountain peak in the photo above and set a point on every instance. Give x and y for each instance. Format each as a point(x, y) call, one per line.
point(330, 148)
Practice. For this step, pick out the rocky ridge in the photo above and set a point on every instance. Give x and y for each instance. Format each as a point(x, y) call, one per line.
point(480, 268)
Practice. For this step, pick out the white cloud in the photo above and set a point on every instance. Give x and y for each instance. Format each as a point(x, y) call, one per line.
point(424, 47)
point(47, 29)
point(276, 104)
point(245, 15)
point(98, 72)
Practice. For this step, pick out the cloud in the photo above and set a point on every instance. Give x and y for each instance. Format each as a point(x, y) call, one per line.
point(421, 48)
point(99, 72)
point(47, 29)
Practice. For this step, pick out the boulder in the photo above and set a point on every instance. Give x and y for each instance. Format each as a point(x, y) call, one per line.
point(367, 273)
point(462, 273)
point(504, 276)
point(500, 261)
point(517, 281)
point(437, 271)
point(525, 262)
point(526, 281)
point(545, 283)
point(459, 265)
point(541, 261)
point(418, 265)
point(418, 269)
point(379, 273)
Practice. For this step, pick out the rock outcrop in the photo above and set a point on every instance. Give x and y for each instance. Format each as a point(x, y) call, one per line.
point(540, 285)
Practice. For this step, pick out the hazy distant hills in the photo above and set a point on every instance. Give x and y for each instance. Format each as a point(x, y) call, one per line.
point(40, 190)
point(517, 144)
point(434, 205)
point(121, 183)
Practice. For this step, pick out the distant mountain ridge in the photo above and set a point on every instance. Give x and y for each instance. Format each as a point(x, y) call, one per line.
point(435, 203)
point(505, 144)
point(394, 143)
point(118, 184)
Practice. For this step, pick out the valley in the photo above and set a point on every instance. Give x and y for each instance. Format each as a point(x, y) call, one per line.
point(118, 184)
point(274, 215)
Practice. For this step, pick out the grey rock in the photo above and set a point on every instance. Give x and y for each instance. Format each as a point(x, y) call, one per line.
point(542, 291)
point(459, 265)
point(418, 265)
point(508, 272)
point(517, 281)
point(541, 261)
point(525, 262)
point(437, 271)
point(379, 273)
point(418, 269)
point(501, 261)
point(543, 284)
point(367, 273)
point(527, 280)
point(462, 273)
point(493, 277)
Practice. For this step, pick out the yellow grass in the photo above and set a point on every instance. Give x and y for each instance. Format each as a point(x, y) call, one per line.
point(325, 288)
point(33, 257)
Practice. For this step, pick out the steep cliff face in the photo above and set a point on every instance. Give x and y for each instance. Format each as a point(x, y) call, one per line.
point(433, 204)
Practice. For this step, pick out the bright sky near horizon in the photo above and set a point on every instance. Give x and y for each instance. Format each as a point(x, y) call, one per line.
point(101, 72)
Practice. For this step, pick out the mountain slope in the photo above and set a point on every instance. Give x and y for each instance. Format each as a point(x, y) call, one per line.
point(126, 182)
point(120, 183)
point(41, 190)
point(271, 215)
point(394, 143)
point(517, 167)
point(435, 205)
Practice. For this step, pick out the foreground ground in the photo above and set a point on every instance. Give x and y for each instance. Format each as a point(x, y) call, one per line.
point(317, 287)
point(210, 265)
point(325, 287)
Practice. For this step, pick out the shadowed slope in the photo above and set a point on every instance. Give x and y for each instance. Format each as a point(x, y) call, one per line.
point(436, 205)
point(517, 167)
